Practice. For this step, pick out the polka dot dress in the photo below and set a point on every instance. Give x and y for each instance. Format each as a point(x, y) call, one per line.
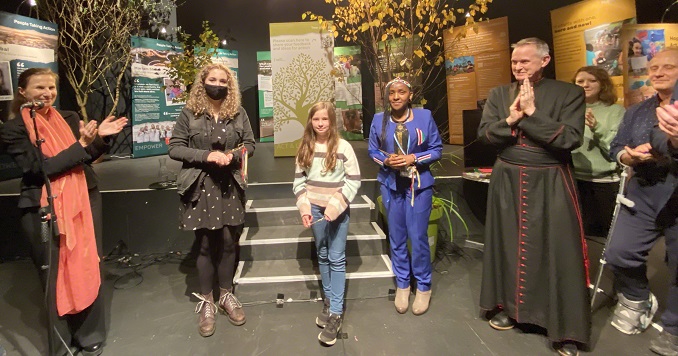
point(221, 201)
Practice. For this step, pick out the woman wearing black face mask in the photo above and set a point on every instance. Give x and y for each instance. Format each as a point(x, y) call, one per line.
point(213, 138)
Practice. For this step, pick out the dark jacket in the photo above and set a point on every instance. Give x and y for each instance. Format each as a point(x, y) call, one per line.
point(190, 143)
point(18, 145)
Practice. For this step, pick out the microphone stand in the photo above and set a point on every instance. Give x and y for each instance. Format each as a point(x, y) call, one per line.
point(49, 232)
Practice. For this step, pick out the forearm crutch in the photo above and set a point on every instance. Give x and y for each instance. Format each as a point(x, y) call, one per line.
point(621, 199)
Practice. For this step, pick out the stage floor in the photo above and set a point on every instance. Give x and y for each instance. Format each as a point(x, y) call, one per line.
point(156, 317)
point(127, 174)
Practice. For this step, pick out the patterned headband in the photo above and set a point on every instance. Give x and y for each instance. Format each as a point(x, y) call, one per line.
point(398, 80)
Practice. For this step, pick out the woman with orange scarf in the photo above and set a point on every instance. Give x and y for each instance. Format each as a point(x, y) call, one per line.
point(70, 268)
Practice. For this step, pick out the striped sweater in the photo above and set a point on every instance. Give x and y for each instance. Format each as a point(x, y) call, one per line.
point(332, 190)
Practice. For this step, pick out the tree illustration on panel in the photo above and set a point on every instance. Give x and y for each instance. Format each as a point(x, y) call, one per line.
point(296, 88)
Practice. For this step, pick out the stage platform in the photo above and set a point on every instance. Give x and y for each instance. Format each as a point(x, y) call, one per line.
point(146, 220)
point(150, 275)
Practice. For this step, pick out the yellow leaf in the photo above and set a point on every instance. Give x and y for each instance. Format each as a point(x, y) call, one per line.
point(384, 37)
point(423, 101)
point(376, 23)
point(364, 27)
point(303, 16)
point(419, 53)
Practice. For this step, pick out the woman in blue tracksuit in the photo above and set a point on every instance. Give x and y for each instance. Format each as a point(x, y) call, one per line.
point(405, 142)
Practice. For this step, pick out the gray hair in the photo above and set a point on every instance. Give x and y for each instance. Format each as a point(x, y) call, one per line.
point(542, 47)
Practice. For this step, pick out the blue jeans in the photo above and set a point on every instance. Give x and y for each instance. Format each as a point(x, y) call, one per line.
point(330, 241)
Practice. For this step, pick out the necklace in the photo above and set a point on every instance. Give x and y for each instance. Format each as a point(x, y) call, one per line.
point(401, 120)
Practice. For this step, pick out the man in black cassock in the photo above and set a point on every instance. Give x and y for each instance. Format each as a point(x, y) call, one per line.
point(535, 269)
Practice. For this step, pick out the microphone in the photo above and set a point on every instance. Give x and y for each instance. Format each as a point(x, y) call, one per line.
point(33, 105)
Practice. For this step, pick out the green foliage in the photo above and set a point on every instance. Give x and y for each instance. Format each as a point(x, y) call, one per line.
point(184, 67)
point(94, 41)
point(449, 209)
point(371, 22)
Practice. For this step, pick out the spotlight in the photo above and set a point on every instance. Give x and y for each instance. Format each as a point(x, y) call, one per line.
point(163, 30)
point(32, 3)
point(468, 14)
point(224, 42)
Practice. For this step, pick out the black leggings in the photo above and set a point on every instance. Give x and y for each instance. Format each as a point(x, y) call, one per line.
point(218, 251)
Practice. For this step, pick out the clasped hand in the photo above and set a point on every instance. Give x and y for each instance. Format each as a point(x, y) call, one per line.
point(307, 220)
point(220, 158)
point(398, 161)
point(523, 104)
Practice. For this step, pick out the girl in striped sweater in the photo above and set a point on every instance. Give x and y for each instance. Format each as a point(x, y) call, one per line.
point(327, 178)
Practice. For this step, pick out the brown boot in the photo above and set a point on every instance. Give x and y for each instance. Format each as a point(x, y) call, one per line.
point(230, 305)
point(421, 301)
point(207, 313)
point(402, 299)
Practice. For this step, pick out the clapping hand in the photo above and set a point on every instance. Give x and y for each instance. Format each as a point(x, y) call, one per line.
point(638, 154)
point(590, 119)
point(112, 126)
point(668, 122)
point(87, 132)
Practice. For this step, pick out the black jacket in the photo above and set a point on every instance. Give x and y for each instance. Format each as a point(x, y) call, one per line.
point(190, 144)
point(18, 145)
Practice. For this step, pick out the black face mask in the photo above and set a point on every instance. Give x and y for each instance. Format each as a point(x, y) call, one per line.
point(216, 92)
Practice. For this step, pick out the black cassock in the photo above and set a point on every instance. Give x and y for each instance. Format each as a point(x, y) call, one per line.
point(535, 264)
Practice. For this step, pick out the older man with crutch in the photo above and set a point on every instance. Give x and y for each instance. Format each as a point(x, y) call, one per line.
point(643, 144)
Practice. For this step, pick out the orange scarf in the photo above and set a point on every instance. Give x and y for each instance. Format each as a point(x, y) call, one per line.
point(78, 277)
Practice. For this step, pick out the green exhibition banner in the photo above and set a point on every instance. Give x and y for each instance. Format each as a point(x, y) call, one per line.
point(348, 92)
point(227, 57)
point(301, 60)
point(154, 104)
point(24, 43)
point(265, 85)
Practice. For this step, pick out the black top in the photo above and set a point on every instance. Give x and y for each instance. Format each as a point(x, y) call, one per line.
point(18, 144)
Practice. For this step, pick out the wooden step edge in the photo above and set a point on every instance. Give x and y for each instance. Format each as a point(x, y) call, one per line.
point(309, 277)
